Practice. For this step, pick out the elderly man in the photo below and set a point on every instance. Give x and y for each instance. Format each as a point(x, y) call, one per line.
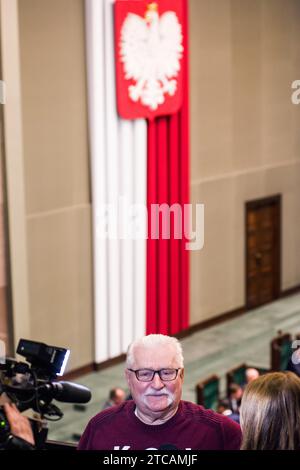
point(157, 418)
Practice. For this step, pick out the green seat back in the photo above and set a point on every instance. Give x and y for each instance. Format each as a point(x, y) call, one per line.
point(239, 375)
point(285, 354)
point(211, 394)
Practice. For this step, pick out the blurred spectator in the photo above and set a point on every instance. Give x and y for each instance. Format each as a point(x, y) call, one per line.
point(235, 397)
point(224, 409)
point(294, 363)
point(116, 397)
point(251, 374)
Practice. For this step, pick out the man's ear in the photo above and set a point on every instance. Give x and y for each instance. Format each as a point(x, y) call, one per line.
point(182, 373)
point(127, 376)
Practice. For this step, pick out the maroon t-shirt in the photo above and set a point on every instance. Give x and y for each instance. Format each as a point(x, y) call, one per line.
point(192, 427)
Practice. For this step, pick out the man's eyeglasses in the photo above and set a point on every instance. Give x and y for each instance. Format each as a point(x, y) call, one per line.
point(146, 375)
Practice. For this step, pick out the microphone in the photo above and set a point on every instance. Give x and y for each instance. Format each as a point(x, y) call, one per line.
point(66, 392)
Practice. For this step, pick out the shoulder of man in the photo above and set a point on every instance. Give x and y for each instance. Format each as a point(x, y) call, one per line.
point(112, 412)
point(229, 429)
point(106, 417)
point(198, 412)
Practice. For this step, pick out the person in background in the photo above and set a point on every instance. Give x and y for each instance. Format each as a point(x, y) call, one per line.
point(224, 409)
point(235, 397)
point(294, 362)
point(157, 418)
point(116, 397)
point(251, 374)
point(234, 400)
point(270, 413)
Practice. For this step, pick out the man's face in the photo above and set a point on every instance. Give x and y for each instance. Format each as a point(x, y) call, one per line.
point(237, 394)
point(155, 397)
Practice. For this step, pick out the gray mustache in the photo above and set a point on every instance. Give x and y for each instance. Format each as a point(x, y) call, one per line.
point(158, 394)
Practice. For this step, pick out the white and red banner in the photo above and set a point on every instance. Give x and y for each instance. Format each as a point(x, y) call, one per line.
point(138, 88)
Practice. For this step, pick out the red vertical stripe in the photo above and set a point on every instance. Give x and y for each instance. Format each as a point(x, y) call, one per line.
point(152, 245)
point(175, 244)
point(163, 244)
point(168, 182)
point(185, 175)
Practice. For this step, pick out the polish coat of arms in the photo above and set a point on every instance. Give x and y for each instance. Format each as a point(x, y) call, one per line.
point(151, 49)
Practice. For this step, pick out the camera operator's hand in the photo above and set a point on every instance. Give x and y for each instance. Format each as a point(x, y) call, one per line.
point(19, 424)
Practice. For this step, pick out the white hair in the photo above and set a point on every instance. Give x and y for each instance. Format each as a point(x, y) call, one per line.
point(154, 340)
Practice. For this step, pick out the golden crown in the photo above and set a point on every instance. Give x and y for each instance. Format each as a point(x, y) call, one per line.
point(152, 6)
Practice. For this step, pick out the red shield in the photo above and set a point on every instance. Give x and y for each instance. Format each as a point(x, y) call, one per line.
point(149, 51)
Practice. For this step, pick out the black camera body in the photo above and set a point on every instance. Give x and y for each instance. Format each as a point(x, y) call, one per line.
point(33, 385)
point(49, 360)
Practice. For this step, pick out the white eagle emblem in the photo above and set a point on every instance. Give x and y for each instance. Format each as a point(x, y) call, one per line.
point(151, 49)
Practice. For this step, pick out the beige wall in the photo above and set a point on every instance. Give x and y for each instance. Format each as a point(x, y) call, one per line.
point(245, 138)
point(56, 174)
point(4, 325)
point(14, 169)
point(245, 144)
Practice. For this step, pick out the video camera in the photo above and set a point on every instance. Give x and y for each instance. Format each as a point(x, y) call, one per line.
point(33, 384)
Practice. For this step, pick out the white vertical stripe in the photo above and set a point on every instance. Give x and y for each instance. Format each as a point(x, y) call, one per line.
point(118, 155)
point(126, 153)
point(97, 131)
point(112, 153)
point(140, 197)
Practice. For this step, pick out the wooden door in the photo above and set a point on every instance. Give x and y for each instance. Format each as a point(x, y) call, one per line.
point(263, 227)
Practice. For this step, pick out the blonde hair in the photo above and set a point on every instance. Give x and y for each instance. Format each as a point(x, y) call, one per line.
point(152, 341)
point(270, 413)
